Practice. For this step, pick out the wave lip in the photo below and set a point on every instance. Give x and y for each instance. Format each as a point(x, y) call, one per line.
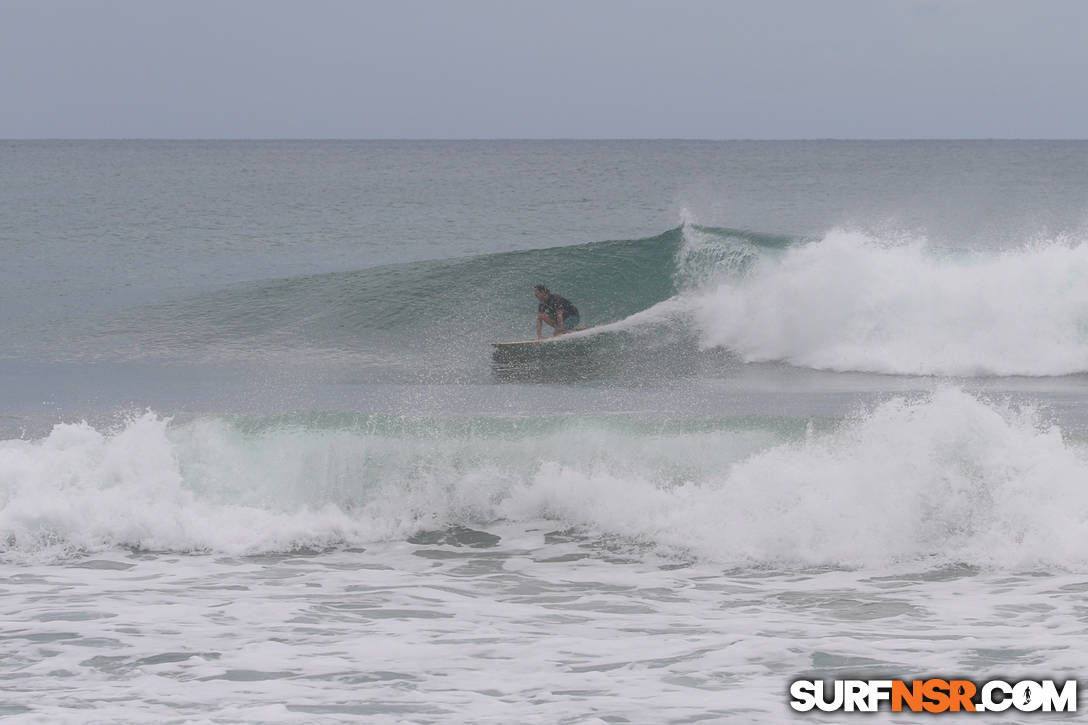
point(852, 303)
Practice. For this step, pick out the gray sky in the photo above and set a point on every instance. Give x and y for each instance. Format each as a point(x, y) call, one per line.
point(549, 69)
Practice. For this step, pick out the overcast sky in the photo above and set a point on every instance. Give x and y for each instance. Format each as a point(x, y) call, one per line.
point(548, 69)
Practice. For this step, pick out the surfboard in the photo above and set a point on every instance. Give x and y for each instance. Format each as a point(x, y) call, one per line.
point(517, 343)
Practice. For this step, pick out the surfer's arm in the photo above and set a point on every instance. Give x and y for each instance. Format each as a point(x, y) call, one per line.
point(558, 323)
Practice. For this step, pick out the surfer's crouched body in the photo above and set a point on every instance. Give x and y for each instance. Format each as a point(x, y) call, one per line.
point(556, 311)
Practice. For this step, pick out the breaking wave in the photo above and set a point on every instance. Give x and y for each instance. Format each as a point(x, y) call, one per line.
point(942, 478)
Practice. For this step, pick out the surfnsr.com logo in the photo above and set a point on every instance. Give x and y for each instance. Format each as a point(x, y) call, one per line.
point(934, 695)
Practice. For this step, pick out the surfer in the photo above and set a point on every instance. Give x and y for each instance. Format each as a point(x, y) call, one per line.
point(557, 311)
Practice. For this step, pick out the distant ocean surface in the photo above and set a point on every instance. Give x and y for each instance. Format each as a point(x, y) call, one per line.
point(259, 462)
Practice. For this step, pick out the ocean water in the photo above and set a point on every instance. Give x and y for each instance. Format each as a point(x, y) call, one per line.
point(259, 462)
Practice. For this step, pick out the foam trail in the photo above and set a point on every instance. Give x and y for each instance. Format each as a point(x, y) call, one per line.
point(852, 303)
point(667, 312)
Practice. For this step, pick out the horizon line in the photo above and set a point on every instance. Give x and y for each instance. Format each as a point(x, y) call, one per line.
point(536, 138)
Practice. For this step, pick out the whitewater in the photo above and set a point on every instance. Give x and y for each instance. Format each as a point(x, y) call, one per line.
point(270, 469)
point(852, 302)
point(945, 478)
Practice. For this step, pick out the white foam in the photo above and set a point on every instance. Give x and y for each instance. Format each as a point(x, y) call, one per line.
point(853, 302)
point(946, 478)
point(667, 312)
point(80, 489)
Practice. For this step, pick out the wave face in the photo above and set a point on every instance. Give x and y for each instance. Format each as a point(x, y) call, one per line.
point(944, 478)
point(454, 304)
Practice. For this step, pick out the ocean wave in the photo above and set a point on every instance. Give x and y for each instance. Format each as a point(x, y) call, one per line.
point(943, 478)
point(849, 301)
